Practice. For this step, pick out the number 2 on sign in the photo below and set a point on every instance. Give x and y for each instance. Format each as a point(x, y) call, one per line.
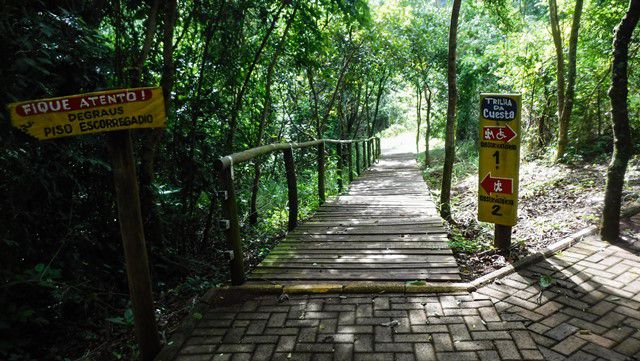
point(495, 210)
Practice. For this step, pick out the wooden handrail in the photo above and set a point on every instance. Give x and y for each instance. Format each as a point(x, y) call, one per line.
point(231, 224)
point(249, 154)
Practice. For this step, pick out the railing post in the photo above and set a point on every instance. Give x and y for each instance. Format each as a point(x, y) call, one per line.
point(340, 166)
point(374, 144)
point(350, 162)
point(358, 167)
point(232, 232)
point(374, 150)
point(379, 148)
point(321, 197)
point(292, 187)
point(369, 153)
point(365, 164)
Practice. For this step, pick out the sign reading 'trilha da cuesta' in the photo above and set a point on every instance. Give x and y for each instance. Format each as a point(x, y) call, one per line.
point(499, 158)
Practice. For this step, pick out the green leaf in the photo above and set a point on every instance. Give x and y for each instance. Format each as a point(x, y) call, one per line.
point(116, 320)
point(197, 316)
point(128, 316)
point(39, 267)
point(545, 281)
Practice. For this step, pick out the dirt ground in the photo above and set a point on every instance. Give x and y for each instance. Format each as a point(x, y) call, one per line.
point(555, 201)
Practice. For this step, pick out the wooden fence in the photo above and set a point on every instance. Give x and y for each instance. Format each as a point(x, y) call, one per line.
point(367, 151)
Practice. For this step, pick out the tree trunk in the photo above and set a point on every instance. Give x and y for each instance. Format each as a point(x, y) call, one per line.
point(450, 141)
point(153, 225)
point(599, 113)
point(374, 121)
point(149, 35)
point(367, 110)
point(189, 199)
point(418, 115)
point(427, 134)
point(239, 99)
point(264, 120)
point(557, 41)
point(343, 71)
point(622, 146)
point(314, 101)
point(565, 115)
point(542, 132)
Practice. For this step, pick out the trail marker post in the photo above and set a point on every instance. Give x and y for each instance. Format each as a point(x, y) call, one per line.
point(116, 111)
point(499, 164)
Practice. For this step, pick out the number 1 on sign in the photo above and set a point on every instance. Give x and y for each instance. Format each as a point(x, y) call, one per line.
point(496, 155)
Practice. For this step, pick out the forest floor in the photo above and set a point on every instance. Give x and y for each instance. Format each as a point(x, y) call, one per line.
point(555, 201)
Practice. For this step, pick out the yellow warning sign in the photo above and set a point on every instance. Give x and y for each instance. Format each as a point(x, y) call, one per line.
point(499, 158)
point(90, 113)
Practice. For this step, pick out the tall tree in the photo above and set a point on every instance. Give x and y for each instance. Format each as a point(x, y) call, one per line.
point(153, 226)
point(622, 147)
point(450, 131)
point(566, 108)
point(565, 95)
point(418, 113)
point(265, 116)
point(557, 42)
point(239, 97)
point(427, 132)
point(382, 82)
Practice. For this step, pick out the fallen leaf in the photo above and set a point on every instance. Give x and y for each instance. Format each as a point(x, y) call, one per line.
point(545, 281)
point(392, 323)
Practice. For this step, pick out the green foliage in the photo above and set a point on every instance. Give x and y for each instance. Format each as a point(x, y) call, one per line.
point(545, 281)
point(125, 320)
point(461, 243)
point(343, 69)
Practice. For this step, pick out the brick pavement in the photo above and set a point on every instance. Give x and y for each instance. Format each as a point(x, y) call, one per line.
point(590, 311)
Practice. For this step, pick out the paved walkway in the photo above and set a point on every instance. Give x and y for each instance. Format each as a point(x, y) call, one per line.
point(385, 228)
point(587, 307)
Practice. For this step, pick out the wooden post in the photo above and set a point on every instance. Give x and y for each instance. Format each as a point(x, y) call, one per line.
point(358, 166)
point(350, 162)
point(340, 166)
point(502, 239)
point(232, 232)
point(369, 153)
point(378, 151)
point(135, 250)
point(374, 152)
point(374, 149)
point(364, 155)
point(321, 197)
point(292, 187)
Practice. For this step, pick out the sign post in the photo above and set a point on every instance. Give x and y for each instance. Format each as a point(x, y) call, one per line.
point(499, 164)
point(117, 111)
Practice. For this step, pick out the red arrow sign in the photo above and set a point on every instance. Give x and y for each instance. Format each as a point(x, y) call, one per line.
point(497, 185)
point(500, 133)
